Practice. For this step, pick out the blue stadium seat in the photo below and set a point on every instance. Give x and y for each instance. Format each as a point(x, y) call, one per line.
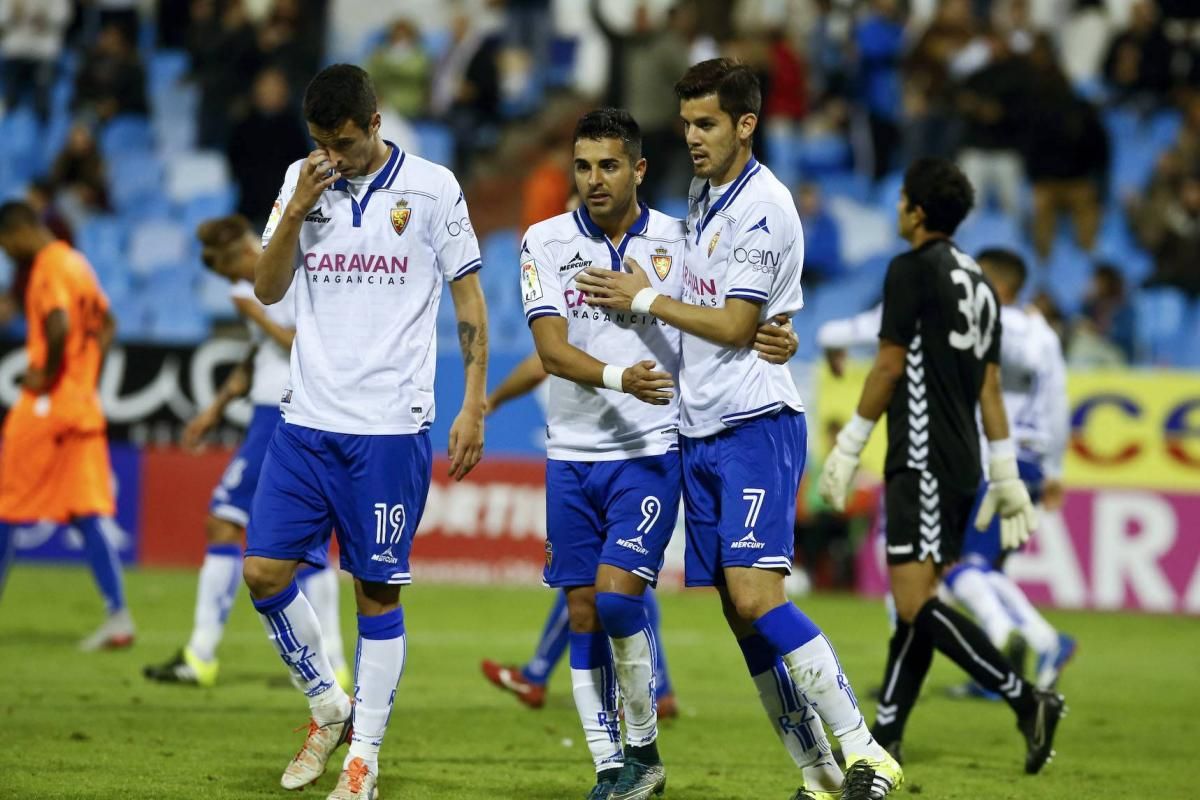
point(54, 137)
point(102, 238)
point(21, 134)
point(887, 191)
point(436, 142)
point(824, 155)
point(207, 206)
point(853, 185)
point(1070, 272)
point(126, 133)
point(1160, 316)
point(783, 155)
point(987, 229)
point(164, 70)
point(157, 245)
point(135, 182)
point(199, 172)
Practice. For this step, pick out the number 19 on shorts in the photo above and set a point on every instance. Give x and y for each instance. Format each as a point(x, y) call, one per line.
point(389, 523)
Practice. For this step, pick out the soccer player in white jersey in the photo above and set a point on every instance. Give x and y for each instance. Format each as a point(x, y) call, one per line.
point(230, 248)
point(369, 235)
point(742, 422)
point(1034, 384)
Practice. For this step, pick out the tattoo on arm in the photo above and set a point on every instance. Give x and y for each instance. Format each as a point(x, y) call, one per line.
point(472, 338)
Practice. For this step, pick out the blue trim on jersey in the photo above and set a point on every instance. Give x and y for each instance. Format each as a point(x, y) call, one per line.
point(538, 309)
point(384, 179)
point(471, 266)
point(749, 171)
point(616, 255)
point(746, 416)
point(535, 315)
point(747, 294)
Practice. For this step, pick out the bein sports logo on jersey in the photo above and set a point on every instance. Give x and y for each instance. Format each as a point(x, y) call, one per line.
point(661, 263)
point(400, 216)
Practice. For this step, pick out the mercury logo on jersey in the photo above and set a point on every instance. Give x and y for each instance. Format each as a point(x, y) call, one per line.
point(575, 264)
point(748, 542)
point(634, 544)
point(372, 268)
point(317, 215)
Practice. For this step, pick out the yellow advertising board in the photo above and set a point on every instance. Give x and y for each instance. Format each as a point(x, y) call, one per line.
point(1129, 428)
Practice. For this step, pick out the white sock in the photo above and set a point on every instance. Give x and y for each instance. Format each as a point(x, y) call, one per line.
point(1039, 633)
point(815, 671)
point(216, 589)
point(321, 589)
point(799, 729)
point(594, 685)
point(973, 590)
point(293, 629)
point(633, 658)
point(382, 647)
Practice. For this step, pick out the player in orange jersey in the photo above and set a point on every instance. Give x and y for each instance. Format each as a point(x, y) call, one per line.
point(54, 452)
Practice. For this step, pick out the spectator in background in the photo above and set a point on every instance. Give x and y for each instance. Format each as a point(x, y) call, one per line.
point(122, 13)
point(400, 69)
point(1138, 65)
point(289, 38)
point(1104, 334)
point(928, 91)
point(224, 53)
point(880, 41)
point(822, 241)
point(40, 197)
point(466, 86)
point(1174, 240)
point(785, 102)
point(31, 41)
point(172, 19)
point(78, 174)
point(111, 80)
point(993, 101)
point(547, 189)
point(1066, 154)
point(264, 144)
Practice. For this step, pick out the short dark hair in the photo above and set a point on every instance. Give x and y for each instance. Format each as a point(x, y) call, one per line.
point(338, 93)
point(17, 214)
point(1006, 262)
point(735, 85)
point(611, 123)
point(942, 191)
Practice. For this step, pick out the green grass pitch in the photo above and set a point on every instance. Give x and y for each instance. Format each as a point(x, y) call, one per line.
point(88, 726)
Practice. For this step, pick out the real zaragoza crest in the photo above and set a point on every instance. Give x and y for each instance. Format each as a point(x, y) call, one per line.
point(712, 245)
point(661, 262)
point(400, 216)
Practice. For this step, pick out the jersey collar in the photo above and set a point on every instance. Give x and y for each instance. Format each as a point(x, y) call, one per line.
point(588, 227)
point(382, 180)
point(749, 171)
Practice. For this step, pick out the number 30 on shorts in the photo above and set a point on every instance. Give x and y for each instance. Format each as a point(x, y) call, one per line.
point(389, 523)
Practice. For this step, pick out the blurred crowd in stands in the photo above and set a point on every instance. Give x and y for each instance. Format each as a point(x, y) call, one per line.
point(1078, 122)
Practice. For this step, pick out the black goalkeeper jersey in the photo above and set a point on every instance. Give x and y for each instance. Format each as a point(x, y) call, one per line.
point(937, 303)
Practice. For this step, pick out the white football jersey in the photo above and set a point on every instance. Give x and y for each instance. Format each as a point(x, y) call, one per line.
point(745, 242)
point(272, 363)
point(372, 258)
point(1033, 374)
point(585, 423)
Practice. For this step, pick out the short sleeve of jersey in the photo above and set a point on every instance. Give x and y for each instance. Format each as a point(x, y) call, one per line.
point(901, 302)
point(285, 196)
point(541, 291)
point(49, 291)
point(762, 245)
point(453, 235)
point(993, 352)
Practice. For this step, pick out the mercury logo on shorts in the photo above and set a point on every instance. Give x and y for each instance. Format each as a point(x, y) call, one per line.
point(634, 544)
point(386, 557)
point(748, 542)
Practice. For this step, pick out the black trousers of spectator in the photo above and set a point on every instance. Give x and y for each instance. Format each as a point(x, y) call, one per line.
point(21, 75)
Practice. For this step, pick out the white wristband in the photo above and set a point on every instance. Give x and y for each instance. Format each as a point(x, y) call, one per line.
point(643, 300)
point(612, 377)
point(1002, 448)
point(854, 434)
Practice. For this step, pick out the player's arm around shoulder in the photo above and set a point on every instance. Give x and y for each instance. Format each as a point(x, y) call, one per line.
point(305, 182)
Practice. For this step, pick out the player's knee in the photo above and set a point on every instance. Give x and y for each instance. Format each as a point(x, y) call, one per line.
point(907, 607)
point(219, 531)
point(265, 576)
point(621, 614)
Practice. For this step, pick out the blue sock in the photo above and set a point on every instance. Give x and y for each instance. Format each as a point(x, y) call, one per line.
point(786, 628)
point(621, 615)
point(760, 656)
point(552, 643)
point(105, 564)
point(662, 678)
point(8, 549)
point(590, 651)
